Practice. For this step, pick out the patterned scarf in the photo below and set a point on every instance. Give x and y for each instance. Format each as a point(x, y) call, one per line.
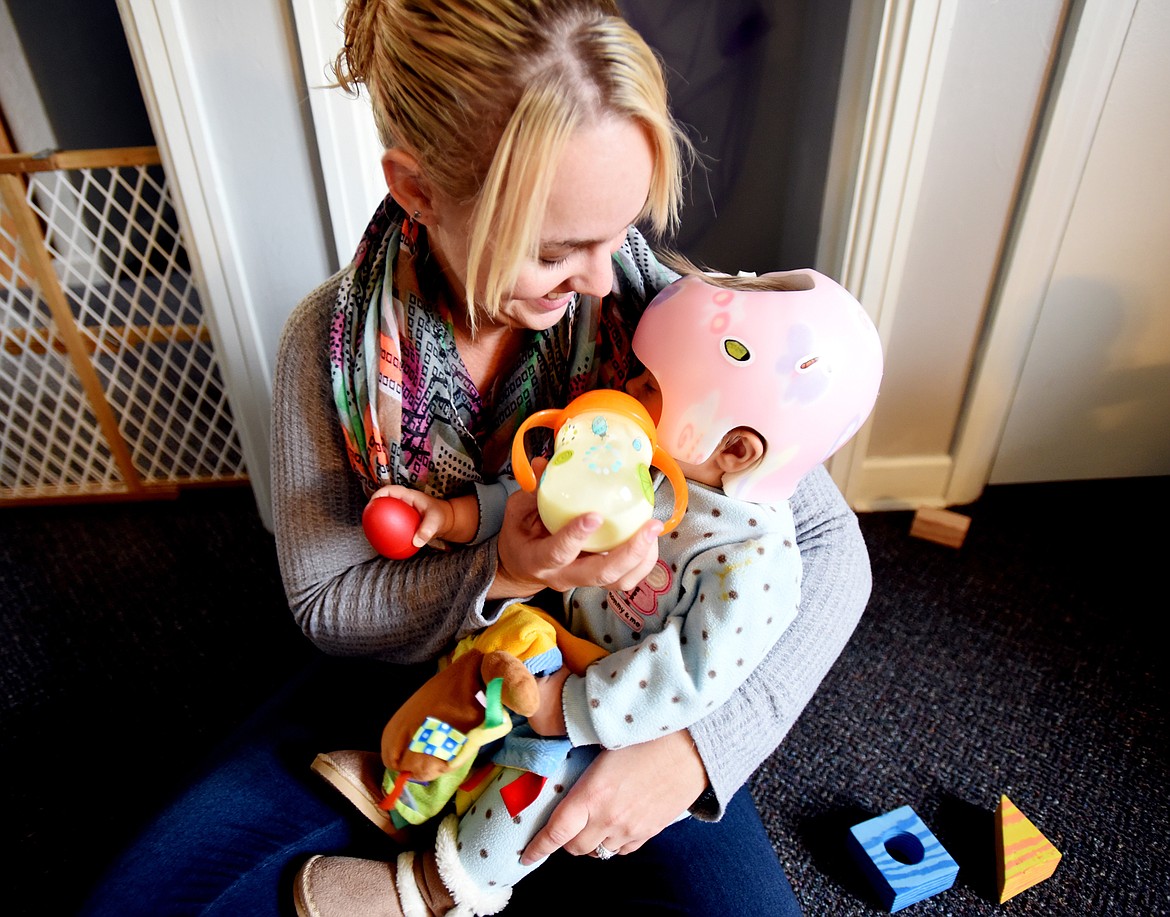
point(410, 413)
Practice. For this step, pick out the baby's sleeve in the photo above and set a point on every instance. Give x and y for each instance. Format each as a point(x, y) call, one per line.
point(491, 498)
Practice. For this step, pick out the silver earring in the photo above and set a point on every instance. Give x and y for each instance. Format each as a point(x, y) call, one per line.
point(415, 215)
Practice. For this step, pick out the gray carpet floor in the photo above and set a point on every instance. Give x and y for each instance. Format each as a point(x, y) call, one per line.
point(1030, 663)
point(1027, 663)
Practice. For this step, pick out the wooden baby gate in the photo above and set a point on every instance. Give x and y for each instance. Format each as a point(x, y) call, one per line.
point(109, 385)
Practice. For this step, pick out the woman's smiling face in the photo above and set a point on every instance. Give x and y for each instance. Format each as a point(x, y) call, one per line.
point(598, 191)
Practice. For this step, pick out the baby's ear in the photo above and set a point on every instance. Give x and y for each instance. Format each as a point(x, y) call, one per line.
point(740, 450)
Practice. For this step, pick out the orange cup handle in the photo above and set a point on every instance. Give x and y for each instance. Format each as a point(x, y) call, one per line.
point(678, 482)
point(521, 467)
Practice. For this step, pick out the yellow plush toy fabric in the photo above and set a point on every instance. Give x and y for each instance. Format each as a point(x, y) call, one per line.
point(526, 631)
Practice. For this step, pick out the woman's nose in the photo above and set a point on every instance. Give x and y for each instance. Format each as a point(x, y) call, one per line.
point(596, 276)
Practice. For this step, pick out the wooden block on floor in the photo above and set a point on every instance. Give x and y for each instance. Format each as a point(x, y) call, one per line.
point(941, 526)
point(1024, 856)
point(901, 858)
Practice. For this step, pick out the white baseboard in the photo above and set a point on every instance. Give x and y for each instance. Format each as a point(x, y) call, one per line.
point(905, 482)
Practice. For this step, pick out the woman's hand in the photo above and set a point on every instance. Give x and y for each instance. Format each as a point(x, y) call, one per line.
point(532, 559)
point(624, 798)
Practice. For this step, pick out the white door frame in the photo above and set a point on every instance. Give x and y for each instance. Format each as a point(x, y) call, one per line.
point(1031, 259)
point(347, 142)
point(229, 112)
point(864, 239)
point(156, 45)
point(870, 254)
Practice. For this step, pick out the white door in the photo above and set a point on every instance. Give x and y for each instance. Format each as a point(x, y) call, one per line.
point(1093, 399)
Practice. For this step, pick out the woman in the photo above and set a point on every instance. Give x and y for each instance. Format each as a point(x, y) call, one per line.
point(502, 275)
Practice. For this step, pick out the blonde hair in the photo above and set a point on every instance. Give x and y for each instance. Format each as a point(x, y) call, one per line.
point(485, 94)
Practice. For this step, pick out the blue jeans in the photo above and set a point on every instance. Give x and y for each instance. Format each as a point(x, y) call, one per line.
point(233, 841)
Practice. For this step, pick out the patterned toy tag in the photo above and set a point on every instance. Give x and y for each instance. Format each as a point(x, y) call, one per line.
point(434, 737)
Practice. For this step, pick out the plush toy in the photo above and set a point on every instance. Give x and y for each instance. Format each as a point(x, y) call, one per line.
point(443, 742)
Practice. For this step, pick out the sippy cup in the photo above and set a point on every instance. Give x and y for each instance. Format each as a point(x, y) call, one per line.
point(604, 446)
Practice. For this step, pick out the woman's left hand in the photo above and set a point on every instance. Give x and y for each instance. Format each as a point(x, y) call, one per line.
point(529, 558)
point(624, 798)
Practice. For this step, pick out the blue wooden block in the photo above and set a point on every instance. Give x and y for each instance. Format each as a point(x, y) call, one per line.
point(901, 858)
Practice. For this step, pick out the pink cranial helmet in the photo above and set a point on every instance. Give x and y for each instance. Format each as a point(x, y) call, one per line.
point(800, 366)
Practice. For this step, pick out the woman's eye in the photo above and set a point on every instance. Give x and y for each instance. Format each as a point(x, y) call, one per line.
point(552, 263)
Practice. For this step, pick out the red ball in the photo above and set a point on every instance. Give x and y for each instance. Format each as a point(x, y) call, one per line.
point(390, 524)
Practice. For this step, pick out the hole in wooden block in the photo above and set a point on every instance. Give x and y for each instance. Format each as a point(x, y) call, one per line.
point(906, 848)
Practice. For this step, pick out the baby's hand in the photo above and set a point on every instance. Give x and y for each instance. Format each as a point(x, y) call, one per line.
point(549, 719)
point(437, 516)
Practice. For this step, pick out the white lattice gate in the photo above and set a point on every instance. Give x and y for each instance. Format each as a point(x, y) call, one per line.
point(109, 385)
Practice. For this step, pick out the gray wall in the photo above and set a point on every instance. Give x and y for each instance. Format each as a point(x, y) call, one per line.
point(755, 82)
point(81, 66)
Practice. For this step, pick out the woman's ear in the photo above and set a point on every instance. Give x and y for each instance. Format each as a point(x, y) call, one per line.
point(740, 450)
point(406, 183)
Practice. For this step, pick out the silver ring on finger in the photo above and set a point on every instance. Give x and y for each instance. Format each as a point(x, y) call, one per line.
point(604, 853)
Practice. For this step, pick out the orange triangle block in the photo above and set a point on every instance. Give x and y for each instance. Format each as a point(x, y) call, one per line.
point(1024, 856)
